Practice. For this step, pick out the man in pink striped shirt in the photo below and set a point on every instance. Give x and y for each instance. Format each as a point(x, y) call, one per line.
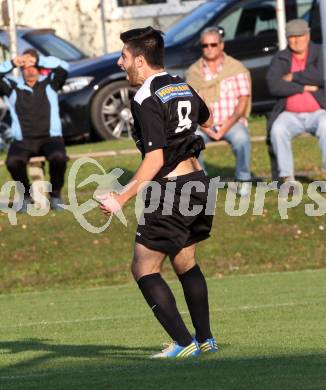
point(296, 78)
point(225, 85)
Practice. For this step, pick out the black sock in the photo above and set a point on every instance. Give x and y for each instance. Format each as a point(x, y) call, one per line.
point(196, 295)
point(161, 300)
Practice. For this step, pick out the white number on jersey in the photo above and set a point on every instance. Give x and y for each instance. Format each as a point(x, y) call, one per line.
point(184, 109)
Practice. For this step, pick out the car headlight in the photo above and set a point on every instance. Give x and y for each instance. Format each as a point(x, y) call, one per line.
point(76, 83)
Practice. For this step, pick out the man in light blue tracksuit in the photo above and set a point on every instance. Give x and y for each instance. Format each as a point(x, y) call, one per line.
point(36, 126)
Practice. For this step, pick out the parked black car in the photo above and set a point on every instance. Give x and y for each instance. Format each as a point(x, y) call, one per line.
point(250, 28)
point(103, 105)
point(96, 97)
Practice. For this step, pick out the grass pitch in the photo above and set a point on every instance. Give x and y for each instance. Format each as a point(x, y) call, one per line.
point(270, 329)
point(55, 251)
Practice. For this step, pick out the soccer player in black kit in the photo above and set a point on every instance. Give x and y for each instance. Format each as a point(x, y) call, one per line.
point(166, 113)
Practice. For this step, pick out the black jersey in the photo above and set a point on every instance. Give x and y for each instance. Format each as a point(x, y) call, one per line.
point(166, 114)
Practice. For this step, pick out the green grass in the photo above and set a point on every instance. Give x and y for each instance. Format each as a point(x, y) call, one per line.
point(270, 329)
point(101, 146)
point(54, 251)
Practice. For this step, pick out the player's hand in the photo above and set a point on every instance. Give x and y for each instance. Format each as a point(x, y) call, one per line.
point(18, 61)
point(110, 203)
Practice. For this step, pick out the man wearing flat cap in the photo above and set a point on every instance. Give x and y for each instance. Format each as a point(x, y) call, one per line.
point(295, 77)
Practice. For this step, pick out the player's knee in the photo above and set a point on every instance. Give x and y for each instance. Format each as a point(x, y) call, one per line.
point(182, 264)
point(141, 267)
point(137, 268)
point(133, 269)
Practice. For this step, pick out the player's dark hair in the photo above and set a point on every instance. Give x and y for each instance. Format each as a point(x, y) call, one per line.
point(32, 52)
point(147, 42)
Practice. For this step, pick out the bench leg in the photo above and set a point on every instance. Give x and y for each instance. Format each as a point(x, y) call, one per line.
point(39, 188)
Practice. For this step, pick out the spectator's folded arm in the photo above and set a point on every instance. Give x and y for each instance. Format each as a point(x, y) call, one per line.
point(312, 75)
point(279, 87)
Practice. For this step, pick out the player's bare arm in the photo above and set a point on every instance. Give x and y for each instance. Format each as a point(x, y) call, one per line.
point(207, 127)
point(149, 167)
point(209, 123)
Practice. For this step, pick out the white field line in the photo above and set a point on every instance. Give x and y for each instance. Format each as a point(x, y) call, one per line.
point(128, 317)
point(128, 285)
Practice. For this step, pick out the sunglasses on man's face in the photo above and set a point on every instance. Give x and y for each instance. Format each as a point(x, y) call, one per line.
point(206, 45)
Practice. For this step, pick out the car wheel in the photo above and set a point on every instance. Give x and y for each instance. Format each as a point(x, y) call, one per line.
point(110, 110)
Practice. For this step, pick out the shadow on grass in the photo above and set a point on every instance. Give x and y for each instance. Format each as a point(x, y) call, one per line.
point(227, 173)
point(119, 367)
point(304, 179)
point(215, 170)
point(64, 350)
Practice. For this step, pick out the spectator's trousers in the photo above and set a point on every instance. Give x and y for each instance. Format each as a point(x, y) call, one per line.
point(52, 148)
point(289, 125)
point(238, 137)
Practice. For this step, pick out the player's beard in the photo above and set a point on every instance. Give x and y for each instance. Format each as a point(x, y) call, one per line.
point(133, 76)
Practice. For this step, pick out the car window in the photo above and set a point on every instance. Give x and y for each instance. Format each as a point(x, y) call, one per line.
point(230, 24)
point(52, 45)
point(192, 23)
point(304, 7)
point(254, 18)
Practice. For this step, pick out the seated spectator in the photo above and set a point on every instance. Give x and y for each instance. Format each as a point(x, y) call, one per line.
point(36, 125)
point(224, 84)
point(295, 77)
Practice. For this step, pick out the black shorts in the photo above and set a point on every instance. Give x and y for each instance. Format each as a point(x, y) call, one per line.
point(170, 227)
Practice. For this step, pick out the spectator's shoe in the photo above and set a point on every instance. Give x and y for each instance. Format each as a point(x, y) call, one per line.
point(56, 204)
point(175, 350)
point(209, 345)
point(288, 187)
point(244, 188)
point(26, 201)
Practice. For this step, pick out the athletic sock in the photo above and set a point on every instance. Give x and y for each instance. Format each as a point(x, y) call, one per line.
point(161, 300)
point(196, 295)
